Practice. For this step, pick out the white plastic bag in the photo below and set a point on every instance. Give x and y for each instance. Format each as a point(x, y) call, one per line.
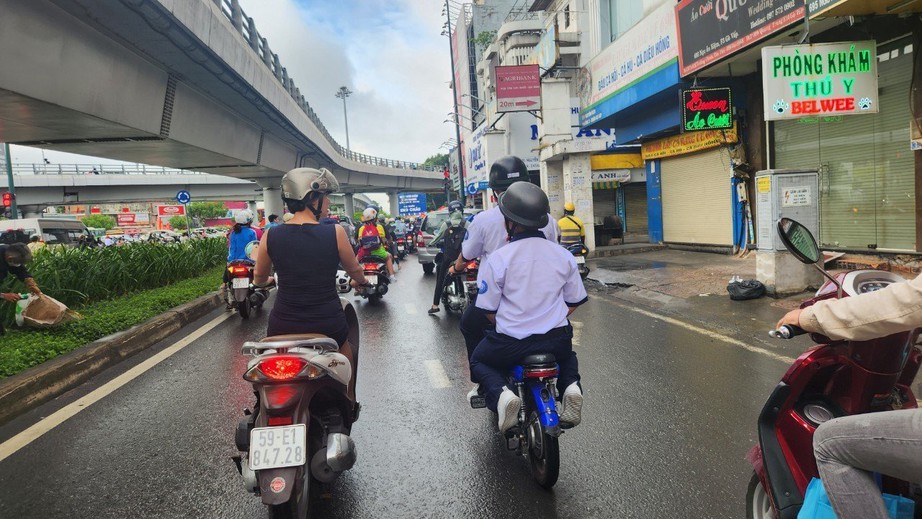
point(21, 307)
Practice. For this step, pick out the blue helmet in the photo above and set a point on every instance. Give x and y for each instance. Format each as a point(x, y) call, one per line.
point(455, 206)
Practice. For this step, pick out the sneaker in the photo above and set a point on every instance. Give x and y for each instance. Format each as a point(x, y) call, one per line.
point(474, 392)
point(392, 279)
point(433, 311)
point(508, 409)
point(571, 405)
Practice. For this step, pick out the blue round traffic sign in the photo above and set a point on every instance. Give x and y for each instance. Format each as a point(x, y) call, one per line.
point(183, 197)
point(472, 188)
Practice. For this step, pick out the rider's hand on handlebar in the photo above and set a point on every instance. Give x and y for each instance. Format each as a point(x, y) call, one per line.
point(791, 318)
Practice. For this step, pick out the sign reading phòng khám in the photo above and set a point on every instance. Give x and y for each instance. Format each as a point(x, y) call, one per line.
point(819, 80)
point(707, 109)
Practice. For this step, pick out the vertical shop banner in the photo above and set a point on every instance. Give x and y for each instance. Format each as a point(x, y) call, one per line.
point(546, 52)
point(518, 88)
point(707, 109)
point(646, 49)
point(822, 79)
point(711, 30)
point(411, 203)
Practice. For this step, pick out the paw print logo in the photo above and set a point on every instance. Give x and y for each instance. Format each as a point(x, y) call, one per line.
point(780, 106)
point(864, 103)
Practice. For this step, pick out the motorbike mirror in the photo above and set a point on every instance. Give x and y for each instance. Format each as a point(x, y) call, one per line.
point(799, 241)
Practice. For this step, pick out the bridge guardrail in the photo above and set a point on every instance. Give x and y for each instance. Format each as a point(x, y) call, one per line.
point(98, 169)
point(247, 28)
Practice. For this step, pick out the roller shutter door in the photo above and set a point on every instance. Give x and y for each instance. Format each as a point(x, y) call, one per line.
point(635, 204)
point(696, 198)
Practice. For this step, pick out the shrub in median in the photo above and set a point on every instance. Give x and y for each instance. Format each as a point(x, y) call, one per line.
point(22, 349)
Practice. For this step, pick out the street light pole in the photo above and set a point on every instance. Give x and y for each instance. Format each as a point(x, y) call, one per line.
point(343, 93)
point(454, 98)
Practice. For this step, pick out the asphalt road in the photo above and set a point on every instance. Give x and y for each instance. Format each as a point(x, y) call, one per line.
point(669, 415)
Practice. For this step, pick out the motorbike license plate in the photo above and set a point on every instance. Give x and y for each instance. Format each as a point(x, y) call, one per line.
point(241, 283)
point(400, 248)
point(277, 447)
point(372, 278)
point(580, 260)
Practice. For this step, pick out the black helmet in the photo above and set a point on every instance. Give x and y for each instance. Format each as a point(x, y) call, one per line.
point(455, 205)
point(525, 204)
point(507, 170)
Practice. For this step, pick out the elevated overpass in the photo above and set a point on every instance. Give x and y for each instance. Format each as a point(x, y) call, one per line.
point(187, 84)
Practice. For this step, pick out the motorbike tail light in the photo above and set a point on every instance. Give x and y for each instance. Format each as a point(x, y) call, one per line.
point(472, 265)
point(280, 420)
point(282, 368)
point(239, 271)
point(541, 372)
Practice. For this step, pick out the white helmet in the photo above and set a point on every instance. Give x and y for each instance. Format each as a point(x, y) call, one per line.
point(244, 217)
point(297, 183)
point(369, 214)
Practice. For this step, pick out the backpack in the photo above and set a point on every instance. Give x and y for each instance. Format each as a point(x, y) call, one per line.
point(370, 238)
point(454, 236)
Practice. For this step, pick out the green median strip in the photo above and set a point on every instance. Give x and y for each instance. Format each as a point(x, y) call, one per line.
point(22, 349)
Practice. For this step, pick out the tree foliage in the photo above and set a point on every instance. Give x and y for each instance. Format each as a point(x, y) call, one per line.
point(99, 221)
point(178, 223)
point(484, 39)
point(207, 210)
point(439, 159)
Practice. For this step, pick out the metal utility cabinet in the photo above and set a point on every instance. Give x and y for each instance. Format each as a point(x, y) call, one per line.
point(785, 193)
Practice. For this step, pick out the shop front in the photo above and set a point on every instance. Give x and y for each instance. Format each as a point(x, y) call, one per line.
point(619, 188)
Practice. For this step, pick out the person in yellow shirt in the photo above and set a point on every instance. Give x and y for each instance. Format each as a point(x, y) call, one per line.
point(572, 229)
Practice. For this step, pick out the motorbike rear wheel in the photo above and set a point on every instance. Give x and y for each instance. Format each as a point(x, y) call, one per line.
point(543, 453)
point(428, 268)
point(243, 307)
point(758, 502)
point(304, 500)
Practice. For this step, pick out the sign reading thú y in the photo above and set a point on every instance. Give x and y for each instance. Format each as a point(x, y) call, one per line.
point(819, 80)
point(518, 88)
point(707, 109)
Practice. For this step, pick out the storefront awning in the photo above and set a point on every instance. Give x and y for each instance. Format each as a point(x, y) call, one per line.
point(616, 161)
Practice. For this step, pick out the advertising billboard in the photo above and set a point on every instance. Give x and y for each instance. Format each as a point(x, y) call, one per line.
point(411, 203)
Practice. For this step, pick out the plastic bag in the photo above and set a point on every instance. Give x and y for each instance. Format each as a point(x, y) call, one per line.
point(45, 311)
point(746, 289)
point(816, 504)
point(21, 306)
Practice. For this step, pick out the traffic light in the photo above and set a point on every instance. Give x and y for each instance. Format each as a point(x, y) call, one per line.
point(8, 199)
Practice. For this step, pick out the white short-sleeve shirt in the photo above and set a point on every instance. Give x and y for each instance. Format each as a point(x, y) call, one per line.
point(530, 285)
point(487, 233)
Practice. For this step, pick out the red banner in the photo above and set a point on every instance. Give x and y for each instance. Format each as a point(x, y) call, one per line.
point(171, 210)
point(125, 219)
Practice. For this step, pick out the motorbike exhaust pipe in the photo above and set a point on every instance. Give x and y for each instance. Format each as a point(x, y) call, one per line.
point(249, 476)
point(339, 456)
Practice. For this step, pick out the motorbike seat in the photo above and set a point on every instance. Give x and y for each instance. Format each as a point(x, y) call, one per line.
point(541, 358)
point(295, 340)
point(371, 259)
point(294, 337)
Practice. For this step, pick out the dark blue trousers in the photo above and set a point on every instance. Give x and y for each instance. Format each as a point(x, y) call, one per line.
point(473, 324)
point(497, 354)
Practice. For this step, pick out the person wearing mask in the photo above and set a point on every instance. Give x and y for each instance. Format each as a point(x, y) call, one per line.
point(372, 240)
point(486, 234)
point(449, 238)
point(531, 317)
point(307, 255)
point(850, 449)
point(572, 230)
point(13, 260)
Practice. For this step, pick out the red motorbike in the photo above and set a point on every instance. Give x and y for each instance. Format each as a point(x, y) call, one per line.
point(832, 379)
point(375, 272)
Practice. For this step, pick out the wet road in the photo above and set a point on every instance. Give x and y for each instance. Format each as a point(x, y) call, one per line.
point(669, 415)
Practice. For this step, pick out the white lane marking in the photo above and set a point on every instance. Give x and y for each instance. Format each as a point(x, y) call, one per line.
point(436, 372)
point(577, 331)
point(703, 331)
point(9, 447)
point(410, 308)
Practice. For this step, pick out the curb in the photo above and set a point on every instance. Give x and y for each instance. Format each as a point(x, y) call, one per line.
point(25, 391)
point(621, 252)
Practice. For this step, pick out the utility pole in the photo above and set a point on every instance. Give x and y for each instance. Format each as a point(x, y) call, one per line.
point(14, 212)
point(454, 98)
point(343, 93)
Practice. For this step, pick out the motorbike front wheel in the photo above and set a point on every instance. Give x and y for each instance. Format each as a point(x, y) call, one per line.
point(543, 453)
point(758, 502)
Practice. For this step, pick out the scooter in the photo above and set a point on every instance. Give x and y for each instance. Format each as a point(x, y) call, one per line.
point(375, 272)
point(401, 243)
point(460, 290)
point(580, 251)
point(241, 293)
point(536, 435)
point(295, 442)
point(832, 379)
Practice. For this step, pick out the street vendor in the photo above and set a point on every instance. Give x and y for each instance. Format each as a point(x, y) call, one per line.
point(13, 260)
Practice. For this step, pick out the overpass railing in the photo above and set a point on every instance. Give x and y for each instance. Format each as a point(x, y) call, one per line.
point(247, 28)
point(98, 169)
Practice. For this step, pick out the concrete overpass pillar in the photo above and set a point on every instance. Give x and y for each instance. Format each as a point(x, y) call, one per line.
point(251, 205)
point(395, 208)
point(30, 211)
point(349, 204)
point(272, 196)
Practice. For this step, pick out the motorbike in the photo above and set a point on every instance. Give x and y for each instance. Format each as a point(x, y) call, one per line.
point(580, 251)
point(242, 295)
point(460, 290)
point(536, 435)
point(832, 379)
point(411, 241)
point(375, 271)
point(296, 440)
point(401, 246)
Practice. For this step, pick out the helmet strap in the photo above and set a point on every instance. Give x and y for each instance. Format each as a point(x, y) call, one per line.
point(317, 210)
point(510, 229)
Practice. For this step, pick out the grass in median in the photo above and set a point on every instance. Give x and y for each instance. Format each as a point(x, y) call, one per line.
point(21, 349)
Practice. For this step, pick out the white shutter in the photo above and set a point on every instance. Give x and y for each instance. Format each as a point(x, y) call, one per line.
point(696, 198)
point(635, 205)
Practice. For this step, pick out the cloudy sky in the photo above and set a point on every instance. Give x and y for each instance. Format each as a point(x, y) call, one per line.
point(388, 52)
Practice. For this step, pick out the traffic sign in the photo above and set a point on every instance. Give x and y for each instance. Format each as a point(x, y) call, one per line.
point(518, 88)
point(183, 197)
point(472, 188)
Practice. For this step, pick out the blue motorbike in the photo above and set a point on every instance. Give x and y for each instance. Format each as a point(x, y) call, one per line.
point(536, 434)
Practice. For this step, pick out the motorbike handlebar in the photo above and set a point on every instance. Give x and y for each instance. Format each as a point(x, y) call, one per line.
point(787, 332)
